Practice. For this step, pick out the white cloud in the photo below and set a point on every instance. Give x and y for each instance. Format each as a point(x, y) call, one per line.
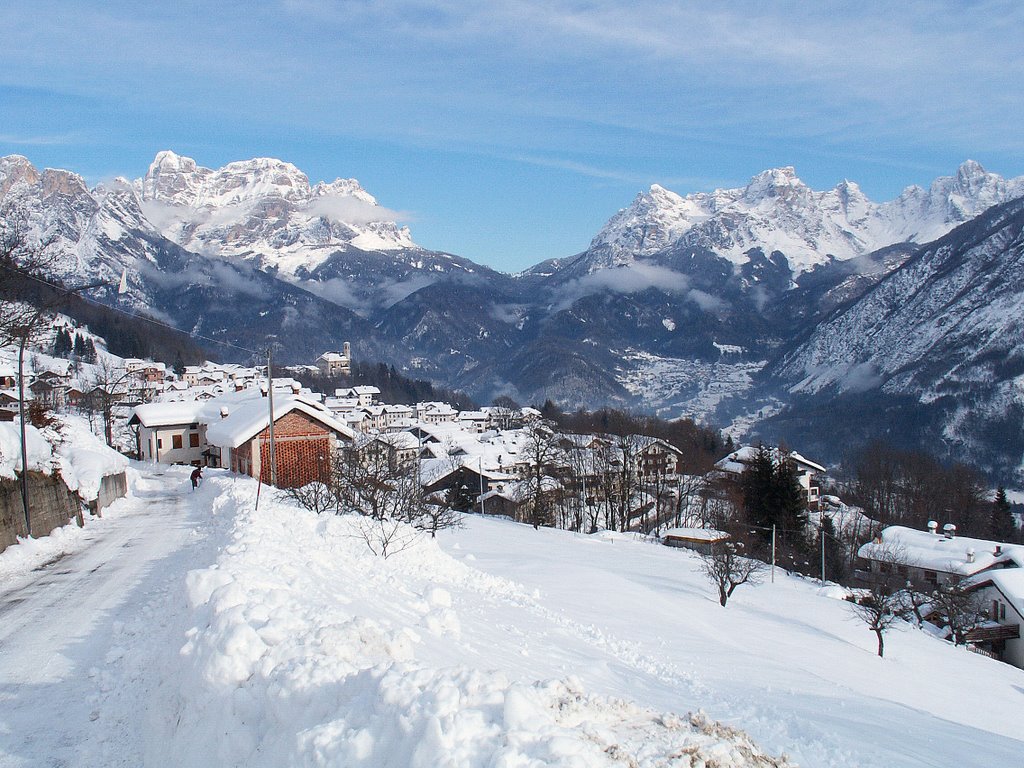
point(37, 141)
point(352, 210)
point(633, 278)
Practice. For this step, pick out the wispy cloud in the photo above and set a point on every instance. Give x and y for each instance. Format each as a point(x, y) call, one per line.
point(691, 95)
point(38, 141)
point(352, 210)
point(633, 278)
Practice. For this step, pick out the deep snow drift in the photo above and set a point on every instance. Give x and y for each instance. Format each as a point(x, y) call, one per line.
point(499, 645)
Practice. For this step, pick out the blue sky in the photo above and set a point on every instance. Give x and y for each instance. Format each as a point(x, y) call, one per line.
point(509, 133)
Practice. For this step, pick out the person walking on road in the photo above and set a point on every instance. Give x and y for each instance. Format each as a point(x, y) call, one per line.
point(197, 475)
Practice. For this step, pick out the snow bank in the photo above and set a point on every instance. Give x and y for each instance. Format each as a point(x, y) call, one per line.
point(39, 452)
point(84, 459)
point(309, 650)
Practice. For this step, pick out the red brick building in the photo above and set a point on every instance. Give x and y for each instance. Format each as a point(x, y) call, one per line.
point(307, 438)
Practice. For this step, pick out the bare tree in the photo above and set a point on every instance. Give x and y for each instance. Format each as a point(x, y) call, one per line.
point(436, 514)
point(727, 568)
point(879, 608)
point(387, 495)
point(110, 384)
point(542, 455)
point(887, 600)
point(317, 497)
point(386, 536)
point(960, 608)
point(628, 488)
point(21, 261)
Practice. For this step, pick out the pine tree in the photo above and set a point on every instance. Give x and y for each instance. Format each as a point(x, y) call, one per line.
point(62, 344)
point(758, 491)
point(1002, 526)
point(79, 348)
point(790, 507)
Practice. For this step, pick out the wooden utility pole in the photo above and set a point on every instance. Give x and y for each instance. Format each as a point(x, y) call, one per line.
point(270, 402)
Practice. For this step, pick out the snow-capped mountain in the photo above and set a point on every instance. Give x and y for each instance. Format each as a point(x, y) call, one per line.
point(264, 209)
point(682, 304)
point(776, 211)
point(941, 337)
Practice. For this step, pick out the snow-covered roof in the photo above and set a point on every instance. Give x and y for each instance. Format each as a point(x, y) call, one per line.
point(737, 461)
point(807, 462)
point(400, 441)
point(959, 555)
point(1009, 581)
point(695, 534)
point(169, 414)
point(332, 357)
point(250, 417)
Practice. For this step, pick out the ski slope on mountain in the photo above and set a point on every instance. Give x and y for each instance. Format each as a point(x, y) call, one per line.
point(271, 637)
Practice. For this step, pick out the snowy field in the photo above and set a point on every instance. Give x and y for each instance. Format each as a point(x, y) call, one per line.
point(229, 636)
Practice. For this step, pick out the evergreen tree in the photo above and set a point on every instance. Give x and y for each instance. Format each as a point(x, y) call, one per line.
point(1002, 526)
point(460, 497)
point(90, 351)
point(790, 509)
point(835, 564)
point(758, 491)
point(79, 348)
point(62, 344)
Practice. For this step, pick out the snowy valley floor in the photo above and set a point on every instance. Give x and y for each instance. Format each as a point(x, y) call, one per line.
point(186, 629)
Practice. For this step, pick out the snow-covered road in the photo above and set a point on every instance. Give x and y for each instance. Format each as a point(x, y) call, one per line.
point(73, 673)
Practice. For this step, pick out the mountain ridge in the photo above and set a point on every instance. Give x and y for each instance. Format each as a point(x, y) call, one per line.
point(677, 307)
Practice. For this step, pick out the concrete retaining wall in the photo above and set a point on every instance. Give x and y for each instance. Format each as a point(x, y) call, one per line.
point(112, 488)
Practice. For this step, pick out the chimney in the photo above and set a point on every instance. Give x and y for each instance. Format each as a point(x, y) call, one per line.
point(224, 412)
point(949, 530)
point(296, 388)
point(346, 350)
point(933, 527)
point(970, 555)
point(999, 550)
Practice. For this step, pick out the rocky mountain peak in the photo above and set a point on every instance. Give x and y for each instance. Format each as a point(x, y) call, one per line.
point(16, 169)
point(775, 210)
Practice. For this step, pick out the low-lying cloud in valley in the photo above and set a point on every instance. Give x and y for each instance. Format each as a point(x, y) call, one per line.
point(634, 278)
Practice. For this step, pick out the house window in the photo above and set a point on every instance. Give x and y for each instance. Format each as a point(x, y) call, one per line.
point(1002, 611)
point(175, 441)
point(885, 567)
point(193, 440)
point(931, 577)
point(995, 610)
point(159, 443)
point(901, 570)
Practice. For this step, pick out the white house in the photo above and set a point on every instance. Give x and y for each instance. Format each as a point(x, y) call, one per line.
point(170, 433)
point(931, 559)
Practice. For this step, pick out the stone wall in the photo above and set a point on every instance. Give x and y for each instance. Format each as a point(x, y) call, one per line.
point(50, 502)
